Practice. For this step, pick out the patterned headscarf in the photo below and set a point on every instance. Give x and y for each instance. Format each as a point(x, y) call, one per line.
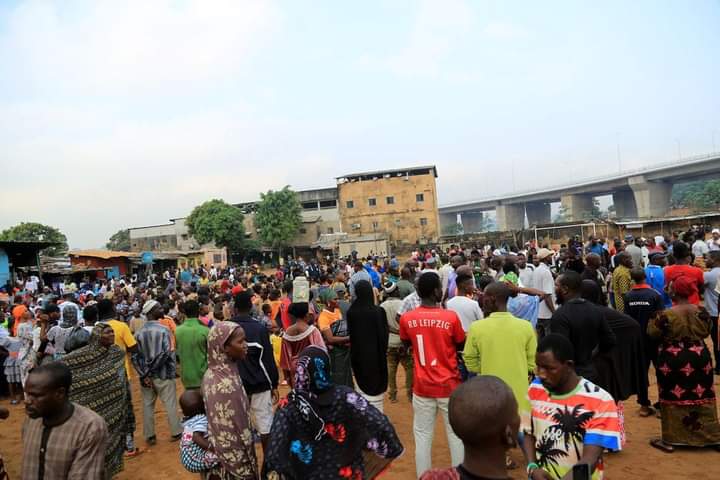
point(227, 407)
point(313, 387)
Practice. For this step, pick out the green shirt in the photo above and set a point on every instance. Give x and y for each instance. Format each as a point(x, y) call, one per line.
point(191, 338)
point(504, 346)
point(405, 288)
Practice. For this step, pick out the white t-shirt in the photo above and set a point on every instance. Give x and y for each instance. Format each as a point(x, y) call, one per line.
point(466, 308)
point(544, 282)
point(700, 248)
point(527, 275)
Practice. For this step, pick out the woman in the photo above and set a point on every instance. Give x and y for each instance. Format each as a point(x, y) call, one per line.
point(99, 383)
point(27, 355)
point(321, 429)
point(334, 331)
point(227, 404)
point(368, 330)
point(299, 335)
point(684, 372)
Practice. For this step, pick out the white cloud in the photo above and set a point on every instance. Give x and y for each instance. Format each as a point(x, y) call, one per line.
point(505, 31)
point(99, 47)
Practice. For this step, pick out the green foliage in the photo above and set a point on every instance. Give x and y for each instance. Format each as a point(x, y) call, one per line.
point(218, 222)
point(278, 217)
point(595, 212)
point(37, 232)
point(700, 195)
point(453, 229)
point(120, 241)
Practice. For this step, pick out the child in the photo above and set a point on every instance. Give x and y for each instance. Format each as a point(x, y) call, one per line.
point(195, 451)
point(265, 317)
point(300, 335)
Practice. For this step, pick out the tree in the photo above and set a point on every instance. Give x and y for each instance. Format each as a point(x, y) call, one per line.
point(120, 241)
point(218, 222)
point(278, 217)
point(700, 195)
point(37, 232)
point(453, 229)
point(595, 212)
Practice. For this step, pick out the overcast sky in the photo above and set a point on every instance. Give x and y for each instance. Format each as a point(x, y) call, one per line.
point(119, 114)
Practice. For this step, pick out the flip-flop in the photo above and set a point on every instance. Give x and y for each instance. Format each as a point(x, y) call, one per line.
point(662, 446)
point(647, 413)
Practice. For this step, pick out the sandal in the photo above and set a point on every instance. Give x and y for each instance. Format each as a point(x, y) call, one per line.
point(647, 412)
point(660, 445)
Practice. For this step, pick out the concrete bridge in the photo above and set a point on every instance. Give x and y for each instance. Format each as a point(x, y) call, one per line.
point(637, 194)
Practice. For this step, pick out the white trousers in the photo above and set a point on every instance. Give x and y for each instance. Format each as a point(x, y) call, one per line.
point(425, 412)
point(376, 401)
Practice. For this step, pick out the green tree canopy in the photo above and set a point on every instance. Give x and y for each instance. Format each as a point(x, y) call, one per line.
point(219, 222)
point(453, 229)
point(700, 195)
point(37, 232)
point(278, 217)
point(120, 241)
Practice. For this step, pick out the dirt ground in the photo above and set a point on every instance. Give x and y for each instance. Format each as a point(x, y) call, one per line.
point(637, 461)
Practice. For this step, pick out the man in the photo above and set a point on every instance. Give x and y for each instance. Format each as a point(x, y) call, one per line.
point(191, 344)
point(456, 262)
point(712, 291)
point(634, 248)
point(682, 267)
point(483, 414)
point(582, 322)
point(592, 272)
point(61, 439)
point(526, 271)
point(544, 282)
point(714, 242)
point(405, 284)
point(397, 353)
point(643, 303)
point(464, 303)
point(572, 420)
point(700, 248)
point(443, 272)
point(258, 371)
point(655, 276)
point(155, 364)
point(436, 335)
point(360, 274)
point(502, 345)
point(593, 246)
point(621, 281)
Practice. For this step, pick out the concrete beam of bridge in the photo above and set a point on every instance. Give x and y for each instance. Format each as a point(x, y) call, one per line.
point(624, 201)
point(472, 222)
point(510, 217)
point(538, 213)
point(577, 207)
point(651, 198)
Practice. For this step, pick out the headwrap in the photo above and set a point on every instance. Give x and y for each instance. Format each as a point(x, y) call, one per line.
point(684, 286)
point(227, 407)
point(313, 387)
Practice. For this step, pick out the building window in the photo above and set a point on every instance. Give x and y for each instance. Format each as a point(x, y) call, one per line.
point(423, 221)
point(390, 200)
point(309, 205)
point(372, 202)
point(397, 222)
point(330, 230)
point(375, 225)
point(217, 258)
point(328, 203)
point(303, 230)
point(419, 197)
point(356, 226)
point(184, 236)
point(349, 204)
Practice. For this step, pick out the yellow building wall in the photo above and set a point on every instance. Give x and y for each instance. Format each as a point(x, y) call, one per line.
point(400, 221)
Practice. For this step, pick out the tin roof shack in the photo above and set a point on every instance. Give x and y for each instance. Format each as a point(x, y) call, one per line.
point(18, 254)
point(108, 263)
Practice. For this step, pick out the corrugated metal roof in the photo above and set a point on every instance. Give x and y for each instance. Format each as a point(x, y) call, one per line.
point(104, 254)
point(380, 173)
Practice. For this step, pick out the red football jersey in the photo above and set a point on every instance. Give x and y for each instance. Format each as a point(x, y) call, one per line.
point(435, 334)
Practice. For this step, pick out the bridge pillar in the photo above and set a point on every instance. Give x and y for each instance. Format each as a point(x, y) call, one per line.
point(446, 220)
point(510, 217)
point(624, 201)
point(652, 198)
point(577, 207)
point(538, 213)
point(472, 222)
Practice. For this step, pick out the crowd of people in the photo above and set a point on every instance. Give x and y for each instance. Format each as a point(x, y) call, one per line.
point(512, 347)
